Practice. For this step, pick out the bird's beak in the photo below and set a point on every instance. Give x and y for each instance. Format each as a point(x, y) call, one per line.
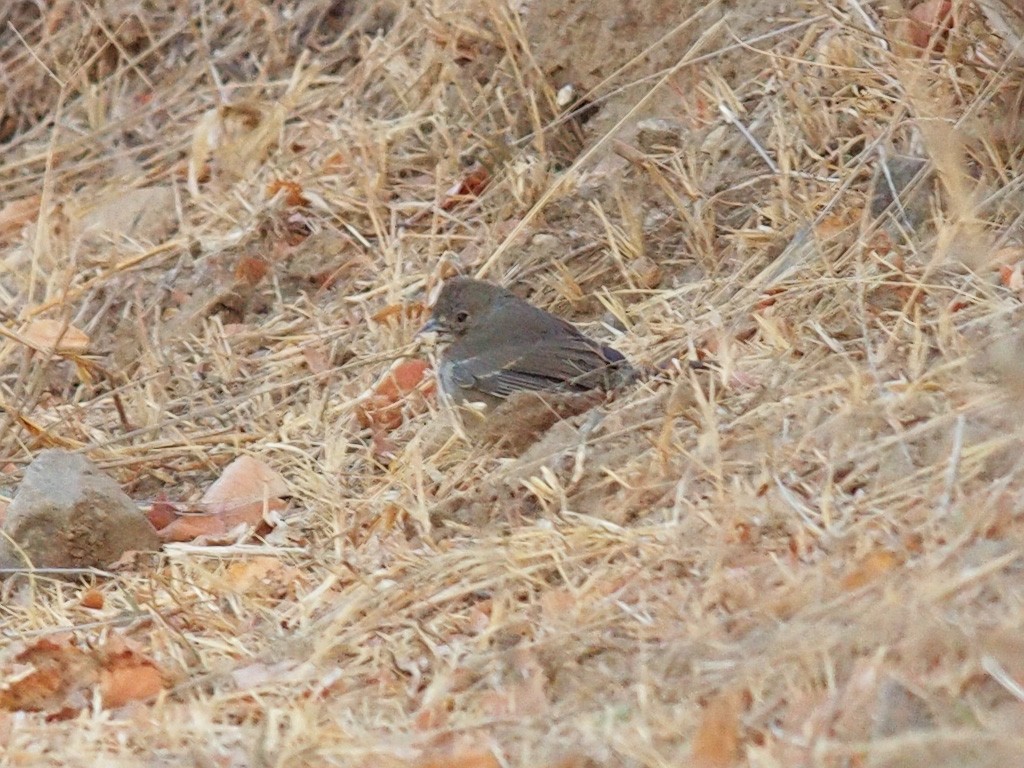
point(432, 326)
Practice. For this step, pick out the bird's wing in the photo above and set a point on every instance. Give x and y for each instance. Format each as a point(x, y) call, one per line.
point(566, 363)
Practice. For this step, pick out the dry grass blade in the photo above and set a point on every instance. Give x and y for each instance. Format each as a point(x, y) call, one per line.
point(222, 225)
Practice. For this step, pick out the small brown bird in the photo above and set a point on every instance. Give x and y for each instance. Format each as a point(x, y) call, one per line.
point(498, 345)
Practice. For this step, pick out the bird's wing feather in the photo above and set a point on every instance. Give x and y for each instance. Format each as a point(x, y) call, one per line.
point(572, 363)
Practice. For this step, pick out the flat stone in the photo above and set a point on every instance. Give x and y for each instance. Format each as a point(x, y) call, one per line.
point(146, 214)
point(68, 514)
point(894, 182)
point(899, 710)
point(656, 132)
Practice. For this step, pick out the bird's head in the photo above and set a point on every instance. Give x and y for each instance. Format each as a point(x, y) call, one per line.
point(462, 304)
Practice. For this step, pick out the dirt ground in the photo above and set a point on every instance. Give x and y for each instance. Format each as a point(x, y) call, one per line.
point(809, 552)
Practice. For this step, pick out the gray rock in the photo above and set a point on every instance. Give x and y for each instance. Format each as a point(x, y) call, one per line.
point(147, 214)
point(902, 186)
point(659, 132)
point(898, 710)
point(68, 514)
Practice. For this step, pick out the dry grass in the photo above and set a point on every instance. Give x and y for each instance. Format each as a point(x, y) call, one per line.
point(810, 556)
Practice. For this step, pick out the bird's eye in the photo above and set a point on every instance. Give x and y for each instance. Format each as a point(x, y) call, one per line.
point(461, 317)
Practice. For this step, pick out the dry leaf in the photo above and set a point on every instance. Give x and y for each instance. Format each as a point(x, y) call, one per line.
point(238, 138)
point(850, 709)
point(45, 437)
point(1009, 254)
point(251, 270)
point(293, 196)
point(245, 481)
point(804, 713)
point(872, 567)
point(191, 527)
point(558, 605)
point(412, 310)
point(528, 694)
point(238, 498)
point(47, 671)
point(928, 20)
point(18, 213)
point(1009, 262)
point(162, 513)
point(465, 758)
point(258, 674)
point(146, 213)
point(129, 682)
point(56, 674)
point(573, 760)
point(334, 163)
point(398, 387)
point(316, 358)
point(126, 674)
point(469, 188)
point(263, 575)
point(647, 273)
point(92, 599)
point(433, 716)
point(1011, 277)
point(834, 225)
point(716, 744)
point(55, 336)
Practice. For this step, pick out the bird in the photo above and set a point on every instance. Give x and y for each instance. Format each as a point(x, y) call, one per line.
point(495, 345)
